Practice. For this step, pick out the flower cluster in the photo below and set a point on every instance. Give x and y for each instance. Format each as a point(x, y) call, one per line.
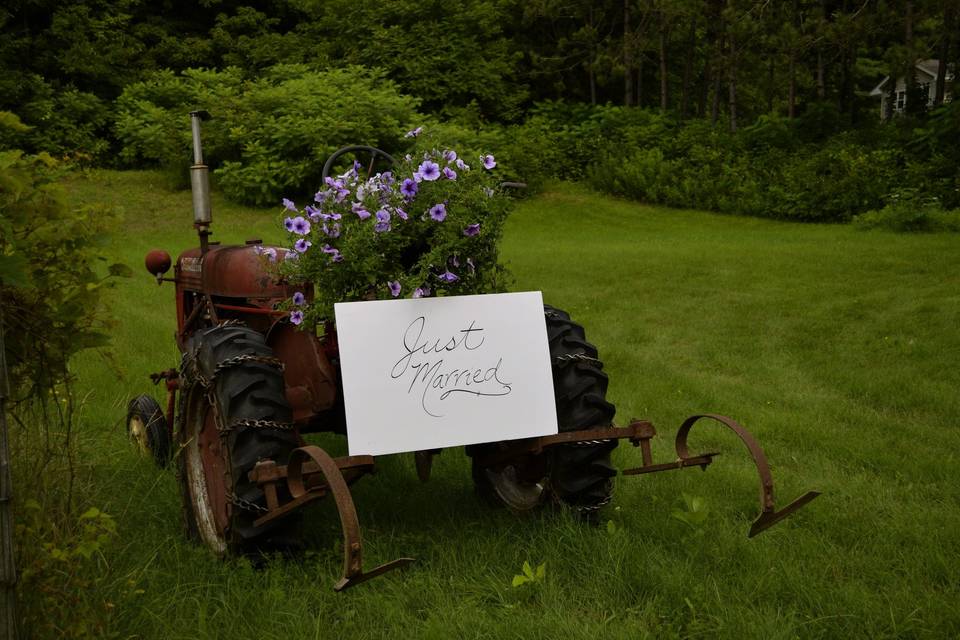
point(429, 226)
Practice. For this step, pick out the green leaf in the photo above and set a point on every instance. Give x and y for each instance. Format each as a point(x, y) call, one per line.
point(519, 580)
point(90, 514)
point(120, 270)
point(542, 571)
point(528, 570)
point(13, 271)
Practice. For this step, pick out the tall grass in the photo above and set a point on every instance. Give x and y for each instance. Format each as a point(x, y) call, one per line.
point(837, 348)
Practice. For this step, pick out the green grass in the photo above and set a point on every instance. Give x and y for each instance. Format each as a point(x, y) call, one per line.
point(837, 348)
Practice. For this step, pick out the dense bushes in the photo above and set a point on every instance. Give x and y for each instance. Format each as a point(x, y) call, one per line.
point(269, 136)
point(774, 168)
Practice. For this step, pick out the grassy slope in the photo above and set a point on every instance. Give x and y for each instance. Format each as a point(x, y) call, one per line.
point(837, 348)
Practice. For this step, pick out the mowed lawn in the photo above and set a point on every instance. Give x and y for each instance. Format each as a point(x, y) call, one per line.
point(839, 349)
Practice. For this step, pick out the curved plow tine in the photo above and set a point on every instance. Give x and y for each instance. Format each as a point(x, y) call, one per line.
point(769, 516)
point(353, 573)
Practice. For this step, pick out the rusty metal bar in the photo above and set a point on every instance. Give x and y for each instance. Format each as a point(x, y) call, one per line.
point(336, 485)
point(702, 460)
point(638, 432)
point(769, 516)
point(254, 310)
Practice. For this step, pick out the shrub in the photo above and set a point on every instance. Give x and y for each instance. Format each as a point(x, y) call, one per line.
point(269, 136)
point(910, 214)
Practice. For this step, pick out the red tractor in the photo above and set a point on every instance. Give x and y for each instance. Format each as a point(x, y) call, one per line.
point(250, 383)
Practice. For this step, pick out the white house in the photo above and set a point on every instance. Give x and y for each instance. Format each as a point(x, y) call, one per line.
point(925, 73)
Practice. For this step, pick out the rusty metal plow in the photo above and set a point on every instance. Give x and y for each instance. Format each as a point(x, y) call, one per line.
point(303, 489)
point(769, 516)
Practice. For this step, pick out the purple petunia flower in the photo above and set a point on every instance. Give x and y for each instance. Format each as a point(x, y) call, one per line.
point(447, 276)
point(296, 317)
point(449, 155)
point(258, 249)
point(408, 158)
point(301, 245)
point(332, 230)
point(429, 170)
point(270, 253)
point(383, 221)
point(288, 224)
point(401, 213)
point(409, 188)
point(341, 195)
point(320, 196)
point(333, 252)
point(472, 229)
point(359, 209)
point(299, 299)
point(489, 162)
point(289, 206)
point(300, 226)
point(438, 212)
point(414, 133)
point(394, 288)
point(422, 292)
point(290, 256)
point(463, 166)
point(449, 173)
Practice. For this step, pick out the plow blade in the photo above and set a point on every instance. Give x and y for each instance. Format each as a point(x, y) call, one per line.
point(335, 484)
point(769, 516)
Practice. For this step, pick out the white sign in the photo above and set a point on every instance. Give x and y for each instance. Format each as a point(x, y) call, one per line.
point(443, 372)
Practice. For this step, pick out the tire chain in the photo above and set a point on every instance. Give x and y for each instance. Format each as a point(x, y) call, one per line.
point(577, 357)
point(249, 423)
point(253, 507)
point(242, 358)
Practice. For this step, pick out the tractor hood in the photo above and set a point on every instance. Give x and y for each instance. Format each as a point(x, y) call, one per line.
point(233, 271)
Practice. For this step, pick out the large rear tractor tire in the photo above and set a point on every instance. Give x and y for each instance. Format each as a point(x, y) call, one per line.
point(575, 475)
point(233, 414)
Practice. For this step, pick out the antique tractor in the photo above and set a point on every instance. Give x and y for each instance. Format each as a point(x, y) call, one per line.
point(250, 383)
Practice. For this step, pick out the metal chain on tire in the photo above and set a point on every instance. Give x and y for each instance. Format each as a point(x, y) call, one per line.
point(577, 357)
point(249, 423)
point(237, 501)
point(241, 359)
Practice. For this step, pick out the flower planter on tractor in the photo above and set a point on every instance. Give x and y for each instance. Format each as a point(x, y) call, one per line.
point(250, 383)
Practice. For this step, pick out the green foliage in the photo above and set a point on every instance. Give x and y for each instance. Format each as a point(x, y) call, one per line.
point(51, 282)
point(529, 576)
point(268, 137)
point(694, 513)
point(909, 213)
point(62, 566)
point(369, 235)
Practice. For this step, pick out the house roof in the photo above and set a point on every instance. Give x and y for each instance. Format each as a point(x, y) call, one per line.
point(927, 67)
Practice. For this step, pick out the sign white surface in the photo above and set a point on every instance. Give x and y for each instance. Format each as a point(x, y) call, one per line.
point(443, 372)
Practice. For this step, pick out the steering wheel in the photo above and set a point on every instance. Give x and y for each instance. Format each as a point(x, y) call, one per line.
point(359, 150)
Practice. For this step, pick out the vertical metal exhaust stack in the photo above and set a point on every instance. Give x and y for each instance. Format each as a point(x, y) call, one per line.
point(200, 183)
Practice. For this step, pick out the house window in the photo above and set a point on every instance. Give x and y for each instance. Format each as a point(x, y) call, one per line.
point(901, 99)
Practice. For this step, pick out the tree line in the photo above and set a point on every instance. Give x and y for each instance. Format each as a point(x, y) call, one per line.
point(480, 60)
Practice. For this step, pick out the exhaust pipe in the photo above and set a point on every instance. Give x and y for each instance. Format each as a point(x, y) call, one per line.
point(200, 183)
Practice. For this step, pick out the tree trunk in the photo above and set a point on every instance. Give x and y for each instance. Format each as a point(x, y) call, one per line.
point(8, 568)
point(640, 81)
point(949, 14)
point(688, 69)
point(821, 84)
point(663, 63)
point(792, 97)
point(627, 56)
point(732, 80)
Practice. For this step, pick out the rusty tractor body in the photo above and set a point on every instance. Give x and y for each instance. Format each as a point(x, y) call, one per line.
point(250, 383)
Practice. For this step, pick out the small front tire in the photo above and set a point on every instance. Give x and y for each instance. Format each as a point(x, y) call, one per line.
point(147, 428)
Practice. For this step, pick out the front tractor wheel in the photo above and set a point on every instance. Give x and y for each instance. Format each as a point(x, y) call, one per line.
point(233, 414)
point(577, 475)
point(147, 429)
